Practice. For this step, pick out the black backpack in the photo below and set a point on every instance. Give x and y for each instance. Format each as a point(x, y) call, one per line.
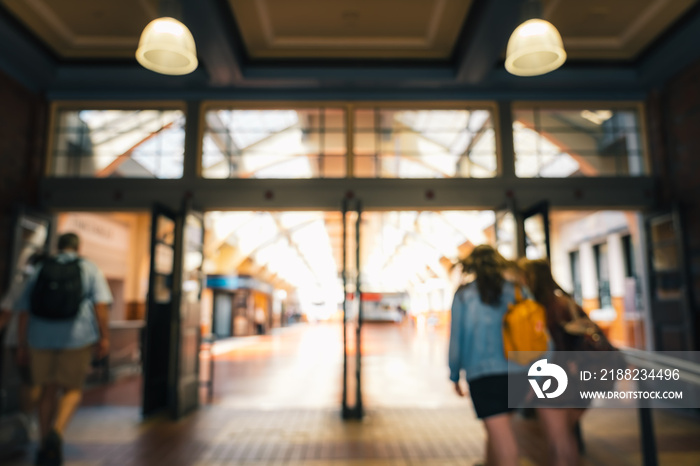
point(58, 291)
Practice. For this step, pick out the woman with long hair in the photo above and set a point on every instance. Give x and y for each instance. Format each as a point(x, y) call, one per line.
point(476, 347)
point(560, 424)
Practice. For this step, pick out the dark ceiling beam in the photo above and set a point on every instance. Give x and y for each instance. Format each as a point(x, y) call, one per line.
point(584, 80)
point(367, 73)
point(219, 44)
point(677, 49)
point(121, 76)
point(129, 78)
point(574, 77)
point(22, 57)
point(629, 193)
point(383, 93)
point(484, 38)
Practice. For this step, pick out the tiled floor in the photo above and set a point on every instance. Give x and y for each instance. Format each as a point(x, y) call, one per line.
point(276, 402)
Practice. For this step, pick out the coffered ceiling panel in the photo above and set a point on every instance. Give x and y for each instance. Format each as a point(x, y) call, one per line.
point(617, 29)
point(350, 29)
point(86, 28)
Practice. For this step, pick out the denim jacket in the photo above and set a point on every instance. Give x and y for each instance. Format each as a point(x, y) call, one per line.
point(476, 338)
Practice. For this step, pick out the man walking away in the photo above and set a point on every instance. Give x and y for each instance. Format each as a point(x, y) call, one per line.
point(9, 320)
point(259, 321)
point(64, 314)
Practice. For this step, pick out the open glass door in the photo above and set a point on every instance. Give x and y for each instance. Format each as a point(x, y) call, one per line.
point(536, 230)
point(161, 309)
point(506, 232)
point(172, 335)
point(352, 312)
point(188, 339)
point(33, 235)
point(672, 323)
point(523, 233)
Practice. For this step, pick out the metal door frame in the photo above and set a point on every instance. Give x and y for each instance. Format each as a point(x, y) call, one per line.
point(543, 209)
point(177, 410)
point(356, 411)
point(151, 325)
point(675, 214)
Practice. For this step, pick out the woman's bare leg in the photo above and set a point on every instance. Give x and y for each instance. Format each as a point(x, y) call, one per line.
point(559, 430)
point(489, 453)
point(504, 447)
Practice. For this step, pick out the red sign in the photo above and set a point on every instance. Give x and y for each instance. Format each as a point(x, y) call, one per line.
point(374, 297)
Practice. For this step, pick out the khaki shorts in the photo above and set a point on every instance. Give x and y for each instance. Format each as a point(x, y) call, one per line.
point(66, 368)
point(24, 374)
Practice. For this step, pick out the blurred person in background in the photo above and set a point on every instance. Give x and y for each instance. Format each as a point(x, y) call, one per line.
point(561, 425)
point(476, 347)
point(260, 319)
point(63, 319)
point(9, 321)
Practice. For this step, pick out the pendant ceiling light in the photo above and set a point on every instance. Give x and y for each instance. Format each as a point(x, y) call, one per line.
point(166, 45)
point(535, 47)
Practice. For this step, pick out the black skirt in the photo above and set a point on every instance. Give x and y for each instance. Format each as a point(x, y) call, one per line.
point(490, 395)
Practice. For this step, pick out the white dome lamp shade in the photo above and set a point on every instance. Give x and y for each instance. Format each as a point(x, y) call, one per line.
point(167, 47)
point(535, 47)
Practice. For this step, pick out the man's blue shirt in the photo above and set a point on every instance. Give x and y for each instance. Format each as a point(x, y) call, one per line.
point(79, 332)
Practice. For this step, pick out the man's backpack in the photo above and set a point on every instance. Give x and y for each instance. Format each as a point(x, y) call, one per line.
point(525, 329)
point(58, 290)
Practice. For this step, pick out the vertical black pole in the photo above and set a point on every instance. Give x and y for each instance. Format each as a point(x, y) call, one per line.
point(648, 441)
point(358, 341)
point(545, 221)
point(174, 398)
point(344, 411)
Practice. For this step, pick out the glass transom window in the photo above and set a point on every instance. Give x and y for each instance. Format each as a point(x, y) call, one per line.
point(118, 144)
point(566, 142)
point(274, 143)
point(420, 143)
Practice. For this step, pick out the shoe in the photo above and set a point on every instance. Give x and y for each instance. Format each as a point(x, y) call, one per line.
point(53, 449)
point(40, 457)
point(579, 438)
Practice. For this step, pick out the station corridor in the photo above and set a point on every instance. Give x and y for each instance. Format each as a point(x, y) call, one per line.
point(276, 401)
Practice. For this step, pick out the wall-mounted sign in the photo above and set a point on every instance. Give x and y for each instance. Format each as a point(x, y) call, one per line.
point(236, 282)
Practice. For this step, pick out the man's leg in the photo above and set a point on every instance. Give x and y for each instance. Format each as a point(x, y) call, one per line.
point(67, 406)
point(51, 452)
point(47, 409)
point(43, 365)
point(29, 398)
point(73, 366)
point(31, 394)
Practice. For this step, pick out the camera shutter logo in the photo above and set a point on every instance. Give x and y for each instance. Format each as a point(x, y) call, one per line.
point(542, 368)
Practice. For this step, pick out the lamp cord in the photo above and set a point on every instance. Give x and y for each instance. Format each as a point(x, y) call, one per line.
point(531, 9)
point(171, 8)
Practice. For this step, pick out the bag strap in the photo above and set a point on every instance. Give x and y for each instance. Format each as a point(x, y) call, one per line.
point(518, 294)
point(572, 308)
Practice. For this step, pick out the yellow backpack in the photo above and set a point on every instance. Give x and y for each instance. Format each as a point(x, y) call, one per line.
point(525, 329)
